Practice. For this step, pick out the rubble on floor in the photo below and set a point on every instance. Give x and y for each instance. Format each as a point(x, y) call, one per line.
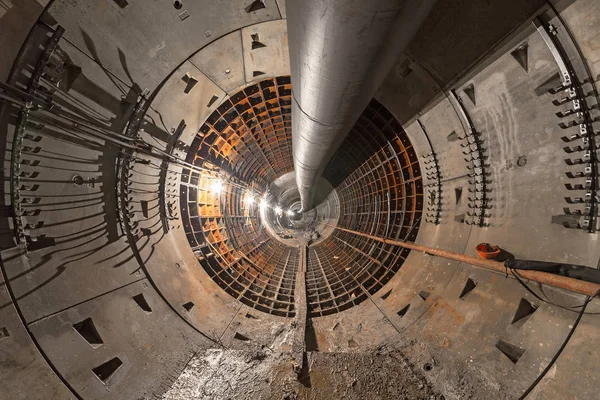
point(217, 374)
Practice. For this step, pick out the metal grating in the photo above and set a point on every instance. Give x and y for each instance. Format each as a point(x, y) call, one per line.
point(249, 138)
point(376, 175)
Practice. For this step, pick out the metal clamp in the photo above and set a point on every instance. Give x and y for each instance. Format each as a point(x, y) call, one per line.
point(434, 206)
point(572, 92)
point(477, 168)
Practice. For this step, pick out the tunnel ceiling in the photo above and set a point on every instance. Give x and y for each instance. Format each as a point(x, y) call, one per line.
point(125, 274)
point(375, 175)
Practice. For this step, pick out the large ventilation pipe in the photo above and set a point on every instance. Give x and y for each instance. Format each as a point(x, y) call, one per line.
point(340, 52)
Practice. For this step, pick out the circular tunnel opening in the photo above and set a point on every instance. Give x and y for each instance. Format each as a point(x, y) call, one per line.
point(116, 253)
point(246, 236)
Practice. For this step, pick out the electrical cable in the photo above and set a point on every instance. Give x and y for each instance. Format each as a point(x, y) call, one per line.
point(519, 279)
point(561, 348)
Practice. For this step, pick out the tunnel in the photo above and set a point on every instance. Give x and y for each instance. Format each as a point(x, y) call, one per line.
point(174, 227)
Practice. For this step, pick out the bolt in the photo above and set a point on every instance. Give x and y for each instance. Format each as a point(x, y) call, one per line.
point(78, 180)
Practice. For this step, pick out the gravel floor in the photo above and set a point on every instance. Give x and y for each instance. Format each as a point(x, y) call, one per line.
point(240, 375)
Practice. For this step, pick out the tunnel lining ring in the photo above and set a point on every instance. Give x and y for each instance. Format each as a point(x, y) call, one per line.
point(376, 174)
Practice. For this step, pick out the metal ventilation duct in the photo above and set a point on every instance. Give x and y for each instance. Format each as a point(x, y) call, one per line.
point(340, 52)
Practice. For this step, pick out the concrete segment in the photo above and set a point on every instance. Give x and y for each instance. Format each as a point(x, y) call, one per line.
point(441, 323)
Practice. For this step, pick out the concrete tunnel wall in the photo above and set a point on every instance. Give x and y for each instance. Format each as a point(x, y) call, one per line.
point(94, 269)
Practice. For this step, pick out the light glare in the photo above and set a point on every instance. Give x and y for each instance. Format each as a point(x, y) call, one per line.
point(217, 186)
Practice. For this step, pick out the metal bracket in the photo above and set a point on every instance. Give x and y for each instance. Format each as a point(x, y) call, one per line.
point(434, 206)
point(20, 224)
point(571, 91)
point(476, 158)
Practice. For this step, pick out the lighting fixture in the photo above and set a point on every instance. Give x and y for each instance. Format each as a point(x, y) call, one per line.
point(216, 186)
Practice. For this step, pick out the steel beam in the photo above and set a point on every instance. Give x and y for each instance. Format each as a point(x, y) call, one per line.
point(300, 306)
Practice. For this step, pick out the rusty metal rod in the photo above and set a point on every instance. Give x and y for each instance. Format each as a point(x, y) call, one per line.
point(559, 281)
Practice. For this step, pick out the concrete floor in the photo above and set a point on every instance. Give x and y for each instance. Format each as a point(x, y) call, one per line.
point(109, 299)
